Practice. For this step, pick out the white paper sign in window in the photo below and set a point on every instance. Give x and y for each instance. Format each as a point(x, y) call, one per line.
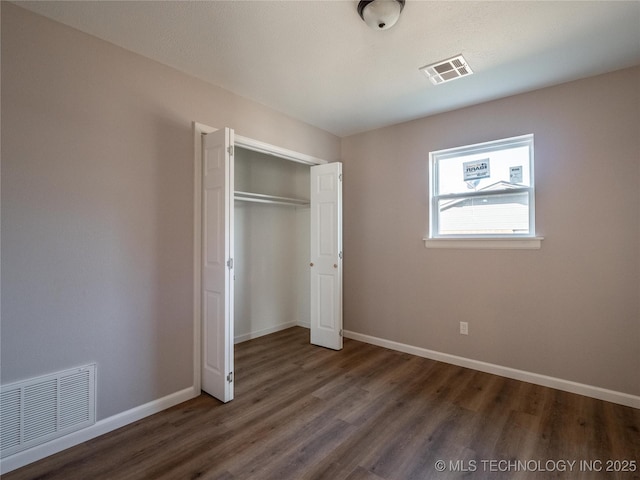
point(515, 174)
point(476, 169)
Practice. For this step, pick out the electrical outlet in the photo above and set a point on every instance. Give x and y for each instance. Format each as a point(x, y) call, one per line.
point(464, 328)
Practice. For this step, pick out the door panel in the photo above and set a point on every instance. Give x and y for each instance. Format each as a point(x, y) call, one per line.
point(326, 318)
point(217, 285)
point(326, 255)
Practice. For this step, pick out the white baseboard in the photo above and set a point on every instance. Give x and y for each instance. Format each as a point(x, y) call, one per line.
point(535, 378)
point(304, 325)
point(101, 427)
point(264, 331)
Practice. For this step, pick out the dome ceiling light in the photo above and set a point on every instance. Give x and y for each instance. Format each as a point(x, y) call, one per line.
point(380, 14)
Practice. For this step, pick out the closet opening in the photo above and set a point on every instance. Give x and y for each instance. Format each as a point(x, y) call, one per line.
point(268, 249)
point(271, 244)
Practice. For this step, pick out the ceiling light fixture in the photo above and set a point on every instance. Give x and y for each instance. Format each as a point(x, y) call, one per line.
point(380, 14)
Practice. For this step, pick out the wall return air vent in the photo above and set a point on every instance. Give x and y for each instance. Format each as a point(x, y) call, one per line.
point(447, 70)
point(40, 409)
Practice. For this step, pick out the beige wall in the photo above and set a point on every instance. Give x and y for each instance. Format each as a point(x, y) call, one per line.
point(570, 310)
point(97, 206)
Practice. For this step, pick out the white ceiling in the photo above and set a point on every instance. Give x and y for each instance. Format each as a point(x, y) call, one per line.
point(317, 61)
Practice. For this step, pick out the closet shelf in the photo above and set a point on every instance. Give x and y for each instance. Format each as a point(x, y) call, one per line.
point(262, 198)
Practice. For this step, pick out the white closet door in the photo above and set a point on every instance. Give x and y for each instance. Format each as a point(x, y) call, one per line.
point(326, 255)
point(217, 259)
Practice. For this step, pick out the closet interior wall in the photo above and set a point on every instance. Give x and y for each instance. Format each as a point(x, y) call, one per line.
point(271, 264)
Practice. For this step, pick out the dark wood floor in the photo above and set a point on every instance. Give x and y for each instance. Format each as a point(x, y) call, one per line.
point(365, 413)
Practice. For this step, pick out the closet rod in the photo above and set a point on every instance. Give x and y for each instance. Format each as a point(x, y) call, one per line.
point(270, 199)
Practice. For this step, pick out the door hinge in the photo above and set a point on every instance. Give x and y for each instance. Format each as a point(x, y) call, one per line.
point(340, 177)
point(340, 332)
point(340, 255)
point(230, 263)
point(230, 150)
point(230, 377)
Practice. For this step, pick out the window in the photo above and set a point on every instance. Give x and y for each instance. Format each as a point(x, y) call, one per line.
point(483, 191)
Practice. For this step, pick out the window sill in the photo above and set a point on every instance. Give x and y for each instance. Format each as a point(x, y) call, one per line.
point(529, 243)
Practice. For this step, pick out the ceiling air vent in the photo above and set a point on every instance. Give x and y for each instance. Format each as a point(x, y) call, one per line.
point(447, 70)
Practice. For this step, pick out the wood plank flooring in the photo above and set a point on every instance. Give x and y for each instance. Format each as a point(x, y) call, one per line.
point(364, 413)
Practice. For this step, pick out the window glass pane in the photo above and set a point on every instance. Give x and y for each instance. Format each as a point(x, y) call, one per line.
point(485, 171)
point(506, 213)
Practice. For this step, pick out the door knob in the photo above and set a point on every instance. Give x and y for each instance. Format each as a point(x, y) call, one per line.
point(311, 264)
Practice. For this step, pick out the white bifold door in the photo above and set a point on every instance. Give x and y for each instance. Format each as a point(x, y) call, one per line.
point(325, 261)
point(326, 255)
point(217, 264)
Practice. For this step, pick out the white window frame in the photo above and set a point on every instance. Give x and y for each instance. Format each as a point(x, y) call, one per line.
point(508, 240)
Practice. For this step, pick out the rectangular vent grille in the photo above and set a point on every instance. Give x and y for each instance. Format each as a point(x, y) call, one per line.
point(38, 410)
point(447, 70)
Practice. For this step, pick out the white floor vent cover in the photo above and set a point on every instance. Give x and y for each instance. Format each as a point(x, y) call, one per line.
point(40, 409)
